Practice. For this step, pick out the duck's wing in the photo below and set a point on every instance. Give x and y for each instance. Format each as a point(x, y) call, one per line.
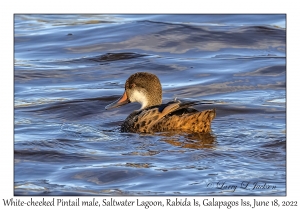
point(197, 122)
point(144, 120)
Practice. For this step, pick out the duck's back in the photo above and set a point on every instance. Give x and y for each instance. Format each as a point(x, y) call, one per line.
point(169, 117)
point(198, 122)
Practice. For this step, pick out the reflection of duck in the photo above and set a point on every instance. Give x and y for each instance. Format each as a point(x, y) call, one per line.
point(153, 116)
point(191, 140)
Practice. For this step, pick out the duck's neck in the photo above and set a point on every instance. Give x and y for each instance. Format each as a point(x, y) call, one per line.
point(144, 99)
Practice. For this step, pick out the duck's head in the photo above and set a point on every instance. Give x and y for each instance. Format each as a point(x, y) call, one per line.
point(141, 87)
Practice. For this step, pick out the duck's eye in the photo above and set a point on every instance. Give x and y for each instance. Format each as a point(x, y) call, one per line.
point(132, 85)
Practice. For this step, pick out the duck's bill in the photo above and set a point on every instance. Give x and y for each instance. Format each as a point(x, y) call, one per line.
point(120, 102)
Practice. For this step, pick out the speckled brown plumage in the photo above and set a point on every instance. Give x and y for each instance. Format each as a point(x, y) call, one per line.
point(198, 122)
point(145, 88)
point(152, 120)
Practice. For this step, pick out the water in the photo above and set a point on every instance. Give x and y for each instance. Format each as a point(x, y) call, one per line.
point(69, 67)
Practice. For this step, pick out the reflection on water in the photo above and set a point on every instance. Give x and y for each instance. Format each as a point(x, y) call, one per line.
point(191, 141)
point(69, 67)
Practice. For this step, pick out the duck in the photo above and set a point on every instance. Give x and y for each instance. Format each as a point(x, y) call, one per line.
point(153, 116)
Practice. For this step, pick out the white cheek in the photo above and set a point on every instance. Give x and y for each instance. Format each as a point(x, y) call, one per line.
point(140, 97)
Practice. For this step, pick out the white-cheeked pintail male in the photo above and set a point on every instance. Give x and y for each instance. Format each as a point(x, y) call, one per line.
point(154, 116)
